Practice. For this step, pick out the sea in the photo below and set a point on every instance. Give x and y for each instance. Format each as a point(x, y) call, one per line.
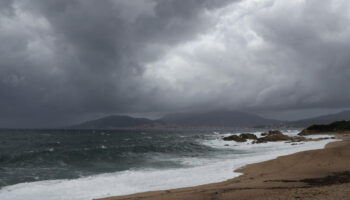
point(88, 164)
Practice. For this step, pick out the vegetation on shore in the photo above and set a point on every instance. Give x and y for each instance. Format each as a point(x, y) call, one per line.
point(338, 126)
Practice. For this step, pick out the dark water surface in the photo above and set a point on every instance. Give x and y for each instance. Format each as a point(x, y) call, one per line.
point(33, 155)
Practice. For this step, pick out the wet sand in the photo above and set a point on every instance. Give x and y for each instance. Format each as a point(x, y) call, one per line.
point(316, 174)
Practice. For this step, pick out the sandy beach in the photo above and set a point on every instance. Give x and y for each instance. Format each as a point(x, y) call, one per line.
point(315, 174)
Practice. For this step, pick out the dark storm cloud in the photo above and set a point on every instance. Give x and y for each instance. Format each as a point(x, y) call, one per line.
point(313, 40)
point(66, 59)
point(266, 55)
point(63, 61)
point(6, 7)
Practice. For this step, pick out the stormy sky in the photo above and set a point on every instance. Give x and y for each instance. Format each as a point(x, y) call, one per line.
point(65, 61)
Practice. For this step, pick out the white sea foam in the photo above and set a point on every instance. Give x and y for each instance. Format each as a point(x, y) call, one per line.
point(126, 182)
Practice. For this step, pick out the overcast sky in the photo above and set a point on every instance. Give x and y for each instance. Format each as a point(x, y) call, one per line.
point(65, 61)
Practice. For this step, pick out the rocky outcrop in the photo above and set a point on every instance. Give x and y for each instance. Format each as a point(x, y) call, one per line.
point(234, 138)
point(248, 136)
point(241, 138)
point(335, 127)
point(271, 136)
point(274, 132)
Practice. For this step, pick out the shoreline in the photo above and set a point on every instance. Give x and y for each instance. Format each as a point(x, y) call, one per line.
point(283, 177)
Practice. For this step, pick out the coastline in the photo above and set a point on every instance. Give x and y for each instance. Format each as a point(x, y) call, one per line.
point(286, 177)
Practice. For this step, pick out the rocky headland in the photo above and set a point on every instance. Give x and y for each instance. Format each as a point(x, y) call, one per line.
point(338, 127)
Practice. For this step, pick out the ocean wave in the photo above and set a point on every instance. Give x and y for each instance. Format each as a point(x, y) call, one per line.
point(200, 171)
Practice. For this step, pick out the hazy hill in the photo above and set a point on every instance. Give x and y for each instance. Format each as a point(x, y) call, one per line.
point(116, 121)
point(344, 115)
point(218, 118)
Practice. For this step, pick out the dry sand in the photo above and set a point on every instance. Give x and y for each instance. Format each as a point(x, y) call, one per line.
point(317, 174)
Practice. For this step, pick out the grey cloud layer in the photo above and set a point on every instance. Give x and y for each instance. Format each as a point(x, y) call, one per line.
point(65, 61)
point(265, 55)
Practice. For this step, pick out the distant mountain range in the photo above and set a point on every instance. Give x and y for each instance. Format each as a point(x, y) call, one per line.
point(324, 119)
point(218, 118)
point(117, 121)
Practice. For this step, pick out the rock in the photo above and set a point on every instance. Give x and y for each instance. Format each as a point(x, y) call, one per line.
point(241, 138)
point(275, 132)
point(234, 138)
point(270, 133)
point(248, 136)
point(273, 136)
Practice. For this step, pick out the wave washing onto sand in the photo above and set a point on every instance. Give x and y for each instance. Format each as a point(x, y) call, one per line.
point(201, 171)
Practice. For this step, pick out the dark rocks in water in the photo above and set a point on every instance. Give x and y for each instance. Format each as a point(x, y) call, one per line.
point(241, 138)
point(248, 136)
point(234, 138)
point(274, 132)
point(335, 127)
point(273, 136)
